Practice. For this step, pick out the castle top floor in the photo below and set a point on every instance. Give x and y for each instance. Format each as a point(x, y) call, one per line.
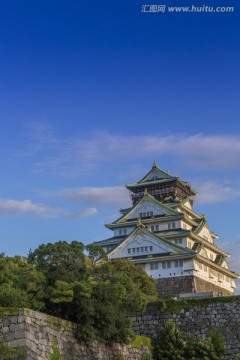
point(161, 185)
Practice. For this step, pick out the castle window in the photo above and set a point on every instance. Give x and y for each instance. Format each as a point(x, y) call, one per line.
point(140, 249)
point(171, 226)
point(152, 228)
point(147, 214)
point(178, 263)
point(166, 264)
point(157, 227)
point(120, 232)
point(178, 241)
point(125, 231)
point(153, 266)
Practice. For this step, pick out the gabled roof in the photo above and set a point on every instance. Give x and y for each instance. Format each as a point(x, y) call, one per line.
point(147, 198)
point(158, 176)
point(125, 211)
point(115, 240)
point(203, 222)
point(220, 259)
point(176, 250)
point(177, 233)
point(156, 170)
point(154, 176)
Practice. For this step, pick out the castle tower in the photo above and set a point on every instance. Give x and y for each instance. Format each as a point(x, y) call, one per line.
point(163, 234)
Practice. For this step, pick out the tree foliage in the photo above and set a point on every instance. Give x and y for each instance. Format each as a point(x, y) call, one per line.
point(96, 294)
point(61, 280)
point(171, 345)
point(21, 285)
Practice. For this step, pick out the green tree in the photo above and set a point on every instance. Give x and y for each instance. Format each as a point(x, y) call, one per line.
point(171, 345)
point(21, 285)
point(211, 348)
point(59, 261)
point(95, 294)
point(142, 281)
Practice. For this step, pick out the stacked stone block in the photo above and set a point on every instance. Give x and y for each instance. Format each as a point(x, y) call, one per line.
point(35, 333)
point(196, 321)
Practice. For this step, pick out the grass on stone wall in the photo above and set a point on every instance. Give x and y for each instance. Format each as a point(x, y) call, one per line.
point(9, 311)
point(166, 305)
point(141, 341)
point(59, 323)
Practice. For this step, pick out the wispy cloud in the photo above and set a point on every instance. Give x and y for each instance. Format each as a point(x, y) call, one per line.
point(114, 197)
point(11, 207)
point(41, 134)
point(214, 192)
point(118, 197)
point(84, 154)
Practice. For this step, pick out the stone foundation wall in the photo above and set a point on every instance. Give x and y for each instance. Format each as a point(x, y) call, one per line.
point(175, 285)
point(204, 286)
point(34, 332)
point(197, 320)
point(188, 284)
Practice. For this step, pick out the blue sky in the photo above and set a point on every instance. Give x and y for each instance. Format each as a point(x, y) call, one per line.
point(92, 93)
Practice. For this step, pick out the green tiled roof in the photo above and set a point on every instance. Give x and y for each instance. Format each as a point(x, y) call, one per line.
point(174, 233)
point(219, 259)
point(200, 226)
point(197, 247)
point(111, 241)
point(160, 171)
point(125, 211)
point(151, 182)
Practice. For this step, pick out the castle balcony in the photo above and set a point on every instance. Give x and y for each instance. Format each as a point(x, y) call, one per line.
point(153, 192)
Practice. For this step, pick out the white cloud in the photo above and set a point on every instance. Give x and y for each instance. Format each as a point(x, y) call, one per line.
point(82, 213)
point(213, 192)
point(84, 154)
point(10, 207)
point(118, 197)
point(115, 196)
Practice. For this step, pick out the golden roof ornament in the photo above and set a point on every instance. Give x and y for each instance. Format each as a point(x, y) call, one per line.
point(139, 222)
point(154, 163)
point(145, 191)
